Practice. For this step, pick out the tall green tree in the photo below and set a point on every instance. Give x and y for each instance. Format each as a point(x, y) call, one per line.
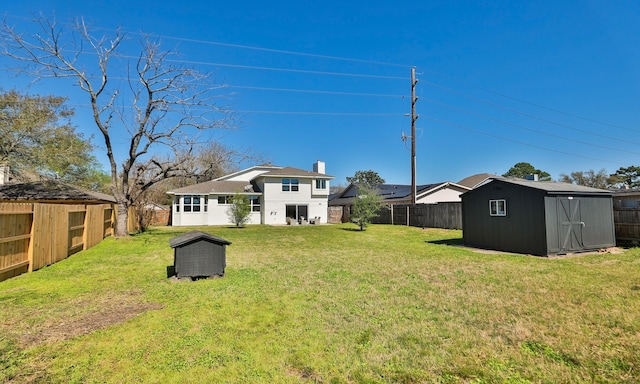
point(368, 179)
point(627, 177)
point(37, 140)
point(522, 170)
point(590, 178)
point(365, 206)
point(239, 210)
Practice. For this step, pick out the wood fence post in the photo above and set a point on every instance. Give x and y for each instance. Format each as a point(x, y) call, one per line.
point(33, 226)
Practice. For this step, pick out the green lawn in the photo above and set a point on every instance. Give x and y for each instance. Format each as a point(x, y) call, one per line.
point(324, 304)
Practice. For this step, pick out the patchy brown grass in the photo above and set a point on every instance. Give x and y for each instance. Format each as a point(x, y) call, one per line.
point(323, 304)
point(73, 318)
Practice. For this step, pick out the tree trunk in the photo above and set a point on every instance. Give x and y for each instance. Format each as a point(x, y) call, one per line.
point(122, 220)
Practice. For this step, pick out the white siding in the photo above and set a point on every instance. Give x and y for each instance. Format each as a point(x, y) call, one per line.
point(276, 201)
point(320, 192)
point(216, 214)
point(441, 196)
point(182, 218)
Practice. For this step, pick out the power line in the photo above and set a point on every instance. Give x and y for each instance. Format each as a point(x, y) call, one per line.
point(315, 91)
point(529, 115)
point(342, 58)
point(318, 56)
point(290, 70)
point(321, 113)
point(514, 141)
point(531, 103)
point(534, 130)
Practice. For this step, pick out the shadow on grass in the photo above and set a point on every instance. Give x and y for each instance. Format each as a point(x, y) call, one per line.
point(459, 242)
point(352, 229)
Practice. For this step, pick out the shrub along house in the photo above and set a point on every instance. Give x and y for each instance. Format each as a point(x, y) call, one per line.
point(539, 218)
point(277, 195)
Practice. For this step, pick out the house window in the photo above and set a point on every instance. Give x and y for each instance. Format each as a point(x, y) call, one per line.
point(225, 200)
point(177, 203)
point(289, 185)
point(321, 184)
point(254, 201)
point(498, 207)
point(191, 203)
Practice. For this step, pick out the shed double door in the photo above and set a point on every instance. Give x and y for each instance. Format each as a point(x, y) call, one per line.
point(584, 223)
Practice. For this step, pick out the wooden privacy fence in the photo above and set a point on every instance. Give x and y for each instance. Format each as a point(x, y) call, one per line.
point(34, 235)
point(627, 224)
point(440, 215)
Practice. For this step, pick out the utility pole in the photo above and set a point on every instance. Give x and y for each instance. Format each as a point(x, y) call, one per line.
point(414, 117)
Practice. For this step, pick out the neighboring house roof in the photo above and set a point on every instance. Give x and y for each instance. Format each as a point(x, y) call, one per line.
point(626, 192)
point(217, 187)
point(477, 180)
point(295, 172)
point(50, 191)
point(392, 192)
point(554, 187)
point(157, 207)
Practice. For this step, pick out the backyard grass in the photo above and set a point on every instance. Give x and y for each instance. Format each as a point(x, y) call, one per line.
point(324, 304)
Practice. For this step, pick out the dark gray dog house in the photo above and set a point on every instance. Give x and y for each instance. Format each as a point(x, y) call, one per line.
point(538, 218)
point(199, 254)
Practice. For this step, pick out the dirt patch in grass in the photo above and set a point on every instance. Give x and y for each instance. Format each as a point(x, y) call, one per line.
point(79, 317)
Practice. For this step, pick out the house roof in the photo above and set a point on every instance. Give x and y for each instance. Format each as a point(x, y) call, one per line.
point(626, 192)
point(390, 192)
point(50, 191)
point(255, 168)
point(217, 187)
point(476, 180)
point(295, 172)
point(192, 236)
point(222, 185)
point(553, 186)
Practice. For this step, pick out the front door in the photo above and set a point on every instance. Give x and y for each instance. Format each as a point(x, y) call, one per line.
point(570, 224)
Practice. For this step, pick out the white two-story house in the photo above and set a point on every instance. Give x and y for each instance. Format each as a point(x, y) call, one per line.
point(275, 194)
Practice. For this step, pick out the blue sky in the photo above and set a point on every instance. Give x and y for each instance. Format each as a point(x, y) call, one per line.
point(555, 84)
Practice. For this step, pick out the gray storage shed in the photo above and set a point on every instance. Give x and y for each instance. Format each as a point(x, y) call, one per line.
point(538, 218)
point(199, 254)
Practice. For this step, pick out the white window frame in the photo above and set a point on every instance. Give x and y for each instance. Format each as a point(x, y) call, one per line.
point(321, 183)
point(254, 202)
point(290, 185)
point(226, 199)
point(192, 206)
point(495, 205)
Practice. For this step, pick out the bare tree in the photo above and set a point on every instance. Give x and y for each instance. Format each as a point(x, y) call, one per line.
point(158, 108)
point(590, 178)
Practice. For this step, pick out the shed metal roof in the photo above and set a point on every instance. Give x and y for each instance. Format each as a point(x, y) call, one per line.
point(553, 187)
